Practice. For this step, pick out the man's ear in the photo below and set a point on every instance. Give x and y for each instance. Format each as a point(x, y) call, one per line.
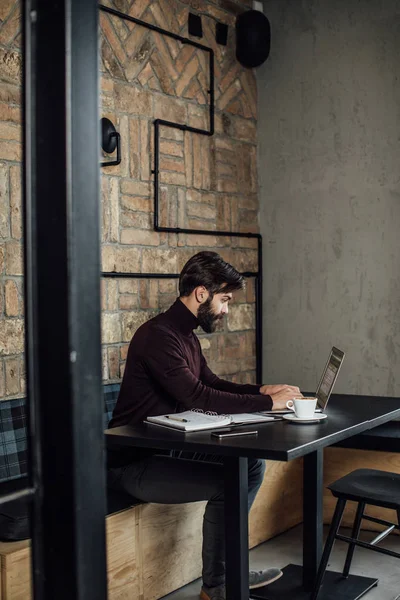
point(201, 294)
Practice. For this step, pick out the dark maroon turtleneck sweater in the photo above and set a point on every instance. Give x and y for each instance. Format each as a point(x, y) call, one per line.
point(166, 372)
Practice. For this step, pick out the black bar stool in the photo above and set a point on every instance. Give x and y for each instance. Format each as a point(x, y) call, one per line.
point(365, 486)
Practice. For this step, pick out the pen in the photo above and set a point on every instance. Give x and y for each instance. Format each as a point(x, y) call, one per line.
point(176, 419)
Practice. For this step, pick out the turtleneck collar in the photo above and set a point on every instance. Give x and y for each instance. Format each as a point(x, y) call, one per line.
point(183, 319)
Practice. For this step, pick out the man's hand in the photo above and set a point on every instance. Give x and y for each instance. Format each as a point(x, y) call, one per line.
point(274, 389)
point(280, 398)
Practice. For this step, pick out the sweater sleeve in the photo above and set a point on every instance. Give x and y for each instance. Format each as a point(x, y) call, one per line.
point(167, 364)
point(209, 378)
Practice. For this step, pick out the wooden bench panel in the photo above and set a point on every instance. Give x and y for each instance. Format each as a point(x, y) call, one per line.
point(339, 462)
point(170, 541)
point(122, 555)
point(15, 570)
point(122, 569)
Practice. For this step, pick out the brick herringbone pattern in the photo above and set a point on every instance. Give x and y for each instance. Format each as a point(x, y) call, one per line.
point(155, 62)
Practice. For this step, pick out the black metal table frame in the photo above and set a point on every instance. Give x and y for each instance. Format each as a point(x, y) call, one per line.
point(236, 519)
point(302, 578)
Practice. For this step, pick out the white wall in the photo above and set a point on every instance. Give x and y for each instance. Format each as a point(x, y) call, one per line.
point(329, 165)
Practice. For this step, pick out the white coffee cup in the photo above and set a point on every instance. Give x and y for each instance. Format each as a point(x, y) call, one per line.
point(303, 408)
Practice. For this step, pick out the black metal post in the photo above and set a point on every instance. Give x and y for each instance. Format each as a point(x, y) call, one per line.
point(212, 93)
point(236, 528)
point(62, 299)
point(312, 516)
point(259, 314)
point(337, 517)
point(156, 170)
point(355, 533)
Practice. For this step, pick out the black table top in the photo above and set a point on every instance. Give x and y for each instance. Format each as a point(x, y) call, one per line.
point(347, 416)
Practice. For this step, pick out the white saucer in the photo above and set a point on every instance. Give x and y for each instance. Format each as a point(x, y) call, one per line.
point(314, 419)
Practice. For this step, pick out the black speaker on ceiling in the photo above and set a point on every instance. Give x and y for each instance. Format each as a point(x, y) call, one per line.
point(253, 38)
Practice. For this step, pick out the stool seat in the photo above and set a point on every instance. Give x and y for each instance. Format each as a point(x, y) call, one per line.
point(380, 488)
point(366, 487)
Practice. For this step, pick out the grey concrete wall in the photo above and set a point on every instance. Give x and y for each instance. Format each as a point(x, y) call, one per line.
point(329, 165)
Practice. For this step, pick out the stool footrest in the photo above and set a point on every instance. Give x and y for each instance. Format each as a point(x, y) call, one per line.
point(350, 540)
point(380, 521)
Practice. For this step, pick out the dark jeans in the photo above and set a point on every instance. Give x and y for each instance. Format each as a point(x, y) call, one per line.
point(169, 480)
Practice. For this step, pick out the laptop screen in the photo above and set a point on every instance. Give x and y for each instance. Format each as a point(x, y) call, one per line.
point(329, 377)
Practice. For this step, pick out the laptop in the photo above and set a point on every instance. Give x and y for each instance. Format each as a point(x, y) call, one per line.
point(325, 386)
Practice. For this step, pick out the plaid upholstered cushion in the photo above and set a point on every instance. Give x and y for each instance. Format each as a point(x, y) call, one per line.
point(13, 432)
point(111, 392)
point(13, 442)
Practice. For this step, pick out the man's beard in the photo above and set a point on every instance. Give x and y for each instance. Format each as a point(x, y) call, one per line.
point(207, 318)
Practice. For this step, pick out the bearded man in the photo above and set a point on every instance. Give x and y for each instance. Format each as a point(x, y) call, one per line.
point(166, 372)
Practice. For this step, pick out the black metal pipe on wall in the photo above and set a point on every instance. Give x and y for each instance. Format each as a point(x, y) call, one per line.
point(208, 132)
point(122, 274)
point(258, 290)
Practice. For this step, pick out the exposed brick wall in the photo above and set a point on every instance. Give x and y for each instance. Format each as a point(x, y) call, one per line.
point(205, 182)
point(12, 376)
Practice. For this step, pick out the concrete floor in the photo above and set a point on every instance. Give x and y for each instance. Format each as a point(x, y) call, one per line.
point(287, 548)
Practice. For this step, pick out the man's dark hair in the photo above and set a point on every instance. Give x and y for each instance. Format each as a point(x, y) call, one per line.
point(210, 270)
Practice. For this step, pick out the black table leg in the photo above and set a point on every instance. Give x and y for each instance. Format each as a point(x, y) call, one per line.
point(297, 582)
point(313, 517)
point(236, 528)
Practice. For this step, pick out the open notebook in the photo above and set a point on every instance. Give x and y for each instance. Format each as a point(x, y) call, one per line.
point(197, 420)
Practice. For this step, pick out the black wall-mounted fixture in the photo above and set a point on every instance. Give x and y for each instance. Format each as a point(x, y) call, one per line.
point(221, 33)
point(110, 139)
point(194, 25)
point(253, 38)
